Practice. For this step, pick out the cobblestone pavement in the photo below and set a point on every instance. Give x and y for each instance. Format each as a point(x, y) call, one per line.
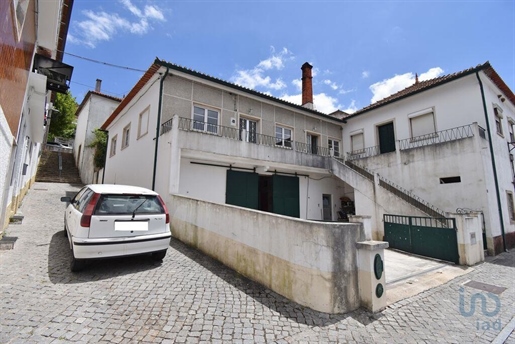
point(190, 298)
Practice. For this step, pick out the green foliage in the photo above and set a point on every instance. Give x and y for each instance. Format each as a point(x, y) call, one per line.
point(63, 121)
point(100, 145)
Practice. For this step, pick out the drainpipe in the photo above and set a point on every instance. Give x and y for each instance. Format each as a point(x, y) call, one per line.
point(158, 126)
point(493, 163)
point(105, 157)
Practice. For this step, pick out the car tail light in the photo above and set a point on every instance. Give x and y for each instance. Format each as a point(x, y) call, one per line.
point(165, 208)
point(85, 219)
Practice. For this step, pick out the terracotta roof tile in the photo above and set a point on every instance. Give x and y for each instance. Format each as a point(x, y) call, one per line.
point(428, 84)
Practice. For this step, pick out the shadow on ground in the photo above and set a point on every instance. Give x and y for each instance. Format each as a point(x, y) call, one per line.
point(267, 297)
point(59, 259)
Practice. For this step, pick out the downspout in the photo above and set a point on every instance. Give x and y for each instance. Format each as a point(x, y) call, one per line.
point(158, 126)
point(493, 163)
point(105, 157)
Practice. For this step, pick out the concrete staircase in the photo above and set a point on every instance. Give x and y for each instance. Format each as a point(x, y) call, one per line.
point(57, 167)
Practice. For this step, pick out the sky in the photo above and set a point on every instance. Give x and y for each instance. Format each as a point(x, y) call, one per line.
point(361, 51)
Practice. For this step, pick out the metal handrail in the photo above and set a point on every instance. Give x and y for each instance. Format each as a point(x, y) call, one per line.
point(166, 127)
point(398, 191)
point(443, 136)
point(448, 135)
point(188, 124)
point(363, 153)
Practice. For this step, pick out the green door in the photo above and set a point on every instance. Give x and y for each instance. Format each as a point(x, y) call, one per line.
point(386, 138)
point(242, 189)
point(285, 195)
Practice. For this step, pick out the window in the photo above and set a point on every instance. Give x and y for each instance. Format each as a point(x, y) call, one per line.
point(248, 130)
point(126, 136)
point(511, 209)
point(511, 122)
point(450, 180)
point(422, 125)
point(113, 145)
point(283, 136)
point(334, 147)
point(205, 119)
point(357, 143)
point(143, 123)
point(498, 119)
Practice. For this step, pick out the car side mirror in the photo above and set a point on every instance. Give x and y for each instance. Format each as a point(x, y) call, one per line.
point(66, 199)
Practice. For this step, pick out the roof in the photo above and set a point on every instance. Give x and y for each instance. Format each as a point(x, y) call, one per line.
point(120, 189)
point(174, 67)
point(428, 84)
point(85, 100)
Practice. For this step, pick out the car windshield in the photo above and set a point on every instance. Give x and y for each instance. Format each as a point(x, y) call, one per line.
point(128, 204)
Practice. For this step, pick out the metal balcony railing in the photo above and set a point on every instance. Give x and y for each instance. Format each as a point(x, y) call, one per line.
point(363, 153)
point(188, 124)
point(448, 135)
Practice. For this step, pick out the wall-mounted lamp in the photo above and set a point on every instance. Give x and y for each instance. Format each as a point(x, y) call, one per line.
point(501, 98)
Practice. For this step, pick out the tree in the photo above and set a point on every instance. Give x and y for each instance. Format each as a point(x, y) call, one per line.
point(100, 145)
point(63, 121)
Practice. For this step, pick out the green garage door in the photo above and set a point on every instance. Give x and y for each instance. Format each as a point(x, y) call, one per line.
point(242, 189)
point(285, 195)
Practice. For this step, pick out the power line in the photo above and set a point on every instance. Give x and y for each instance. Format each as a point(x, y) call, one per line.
point(105, 63)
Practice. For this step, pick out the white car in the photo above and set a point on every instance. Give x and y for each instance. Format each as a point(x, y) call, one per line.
point(107, 220)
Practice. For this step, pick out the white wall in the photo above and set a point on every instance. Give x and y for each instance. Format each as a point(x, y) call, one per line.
point(134, 165)
point(93, 114)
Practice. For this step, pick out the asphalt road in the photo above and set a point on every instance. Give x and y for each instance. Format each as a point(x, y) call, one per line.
point(190, 298)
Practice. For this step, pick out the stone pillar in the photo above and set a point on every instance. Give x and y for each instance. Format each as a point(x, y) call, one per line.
point(470, 238)
point(175, 159)
point(371, 275)
point(366, 220)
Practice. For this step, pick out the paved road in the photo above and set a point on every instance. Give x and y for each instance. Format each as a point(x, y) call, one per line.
point(190, 298)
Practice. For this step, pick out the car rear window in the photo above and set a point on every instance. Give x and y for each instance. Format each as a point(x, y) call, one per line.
point(128, 204)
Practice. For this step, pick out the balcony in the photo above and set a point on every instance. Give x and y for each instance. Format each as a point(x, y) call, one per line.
point(232, 141)
point(438, 137)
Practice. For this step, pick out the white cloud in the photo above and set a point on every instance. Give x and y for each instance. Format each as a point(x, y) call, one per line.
point(102, 26)
point(365, 74)
point(298, 84)
point(255, 77)
point(351, 108)
point(331, 84)
point(323, 102)
point(387, 87)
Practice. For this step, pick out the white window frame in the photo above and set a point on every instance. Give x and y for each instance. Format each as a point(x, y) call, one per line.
point(511, 206)
point(143, 120)
point(126, 136)
point(426, 133)
point(112, 151)
point(511, 123)
point(245, 133)
point(280, 141)
point(498, 120)
point(204, 125)
point(330, 145)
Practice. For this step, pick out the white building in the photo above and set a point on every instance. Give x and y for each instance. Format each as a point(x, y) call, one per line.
point(91, 114)
point(33, 39)
point(234, 145)
point(448, 140)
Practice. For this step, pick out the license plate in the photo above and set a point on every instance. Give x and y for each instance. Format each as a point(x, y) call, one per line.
point(131, 226)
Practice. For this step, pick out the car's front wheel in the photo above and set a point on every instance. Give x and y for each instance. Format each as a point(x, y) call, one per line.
point(158, 256)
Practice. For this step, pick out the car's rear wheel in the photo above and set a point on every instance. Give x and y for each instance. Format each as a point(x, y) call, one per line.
point(158, 256)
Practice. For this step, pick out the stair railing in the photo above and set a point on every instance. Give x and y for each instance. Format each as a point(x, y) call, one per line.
point(398, 191)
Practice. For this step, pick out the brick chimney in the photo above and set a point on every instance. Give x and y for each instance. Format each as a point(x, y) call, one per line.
point(98, 85)
point(307, 86)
